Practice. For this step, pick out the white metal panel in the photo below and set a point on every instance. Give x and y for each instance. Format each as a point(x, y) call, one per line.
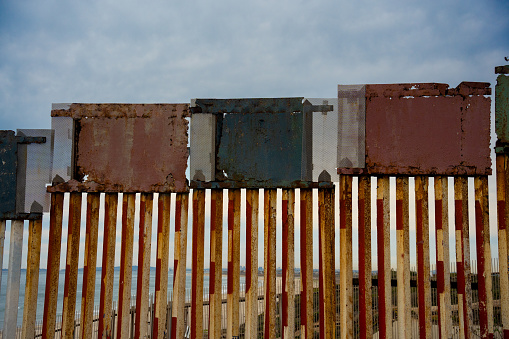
point(203, 147)
point(63, 149)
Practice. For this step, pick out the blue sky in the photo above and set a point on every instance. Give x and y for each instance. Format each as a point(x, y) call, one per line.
point(168, 51)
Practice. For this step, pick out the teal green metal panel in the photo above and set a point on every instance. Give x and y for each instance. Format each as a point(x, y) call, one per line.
point(502, 108)
point(8, 164)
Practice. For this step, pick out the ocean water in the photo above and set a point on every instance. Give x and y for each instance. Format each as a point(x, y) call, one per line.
point(42, 283)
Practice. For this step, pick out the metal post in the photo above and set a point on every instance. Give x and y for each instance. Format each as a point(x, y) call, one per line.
point(403, 253)
point(233, 263)
point(365, 279)
point(53, 266)
point(163, 236)
point(108, 264)
point(145, 239)
point(2, 240)
point(384, 258)
point(252, 200)
point(503, 239)
point(346, 265)
point(126, 265)
point(71, 268)
point(288, 302)
point(198, 249)
point(216, 258)
point(306, 263)
point(269, 279)
point(32, 278)
point(483, 256)
point(13, 279)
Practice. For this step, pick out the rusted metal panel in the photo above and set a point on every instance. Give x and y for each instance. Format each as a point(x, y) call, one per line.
point(351, 128)
point(384, 258)
point(13, 279)
point(53, 266)
point(403, 255)
point(502, 108)
point(32, 278)
point(216, 271)
point(233, 316)
point(288, 307)
point(327, 279)
point(161, 287)
point(90, 265)
point(365, 279)
point(269, 276)
point(306, 263)
point(406, 124)
point(143, 278)
point(198, 249)
point(249, 105)
point(483, 257)
point(346, 258)
point(108, 264)
point(126, 264)
point(179, 271)
point(34, 172)
point(128, 147)
point(423, 264)
point(71, 267)
point(252, 202)
point(503, 240)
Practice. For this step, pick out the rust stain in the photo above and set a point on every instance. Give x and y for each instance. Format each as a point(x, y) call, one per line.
point(129, 147)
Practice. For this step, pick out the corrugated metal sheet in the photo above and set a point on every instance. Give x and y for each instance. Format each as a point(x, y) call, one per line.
point(128, 147)
point(417, 129)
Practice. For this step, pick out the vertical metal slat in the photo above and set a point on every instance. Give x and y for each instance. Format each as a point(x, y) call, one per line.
point(216, 258)
point(365, 279)
point(346, 259)
point(306, 263)
point(252, 200)
point(198, 248)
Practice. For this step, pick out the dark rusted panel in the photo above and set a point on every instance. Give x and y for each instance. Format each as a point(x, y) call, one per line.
point(418, 129)
point(502, 69)
point(251, 105)
point(502, 110)
point(128, 147)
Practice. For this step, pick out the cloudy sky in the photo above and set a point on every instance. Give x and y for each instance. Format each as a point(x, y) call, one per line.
point(169, 52)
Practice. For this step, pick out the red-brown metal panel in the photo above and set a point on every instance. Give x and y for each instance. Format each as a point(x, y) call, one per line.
point(416, 129)
point(129, 147)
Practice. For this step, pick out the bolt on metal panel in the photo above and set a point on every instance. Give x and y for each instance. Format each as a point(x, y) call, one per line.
point(502, 110)
point(128, 147)
point(319, 151)
point(407, 123)
point(63, 147)
point(351, 150)
point(34, 172)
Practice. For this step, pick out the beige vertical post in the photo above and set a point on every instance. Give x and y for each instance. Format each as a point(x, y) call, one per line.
point(89, 267)
point(306, 263)
point(384, 258)
point(108, 264)
point(503, 239)
point(423, 269)
point(483, 256)
point(346, 266)
point(269, 278)
point(126, 265)
point(233, 263)
point(327, 262)
point(179, 271)
point(463, 256)
point(143, 279)
point(216, 258)
point(198, 250)
point(403, 254)
point(161, 286)
point(32, 278)
point(365, 278)
point(252, 200)
point(288, 310)
point(71, 268)
point(442, 253)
